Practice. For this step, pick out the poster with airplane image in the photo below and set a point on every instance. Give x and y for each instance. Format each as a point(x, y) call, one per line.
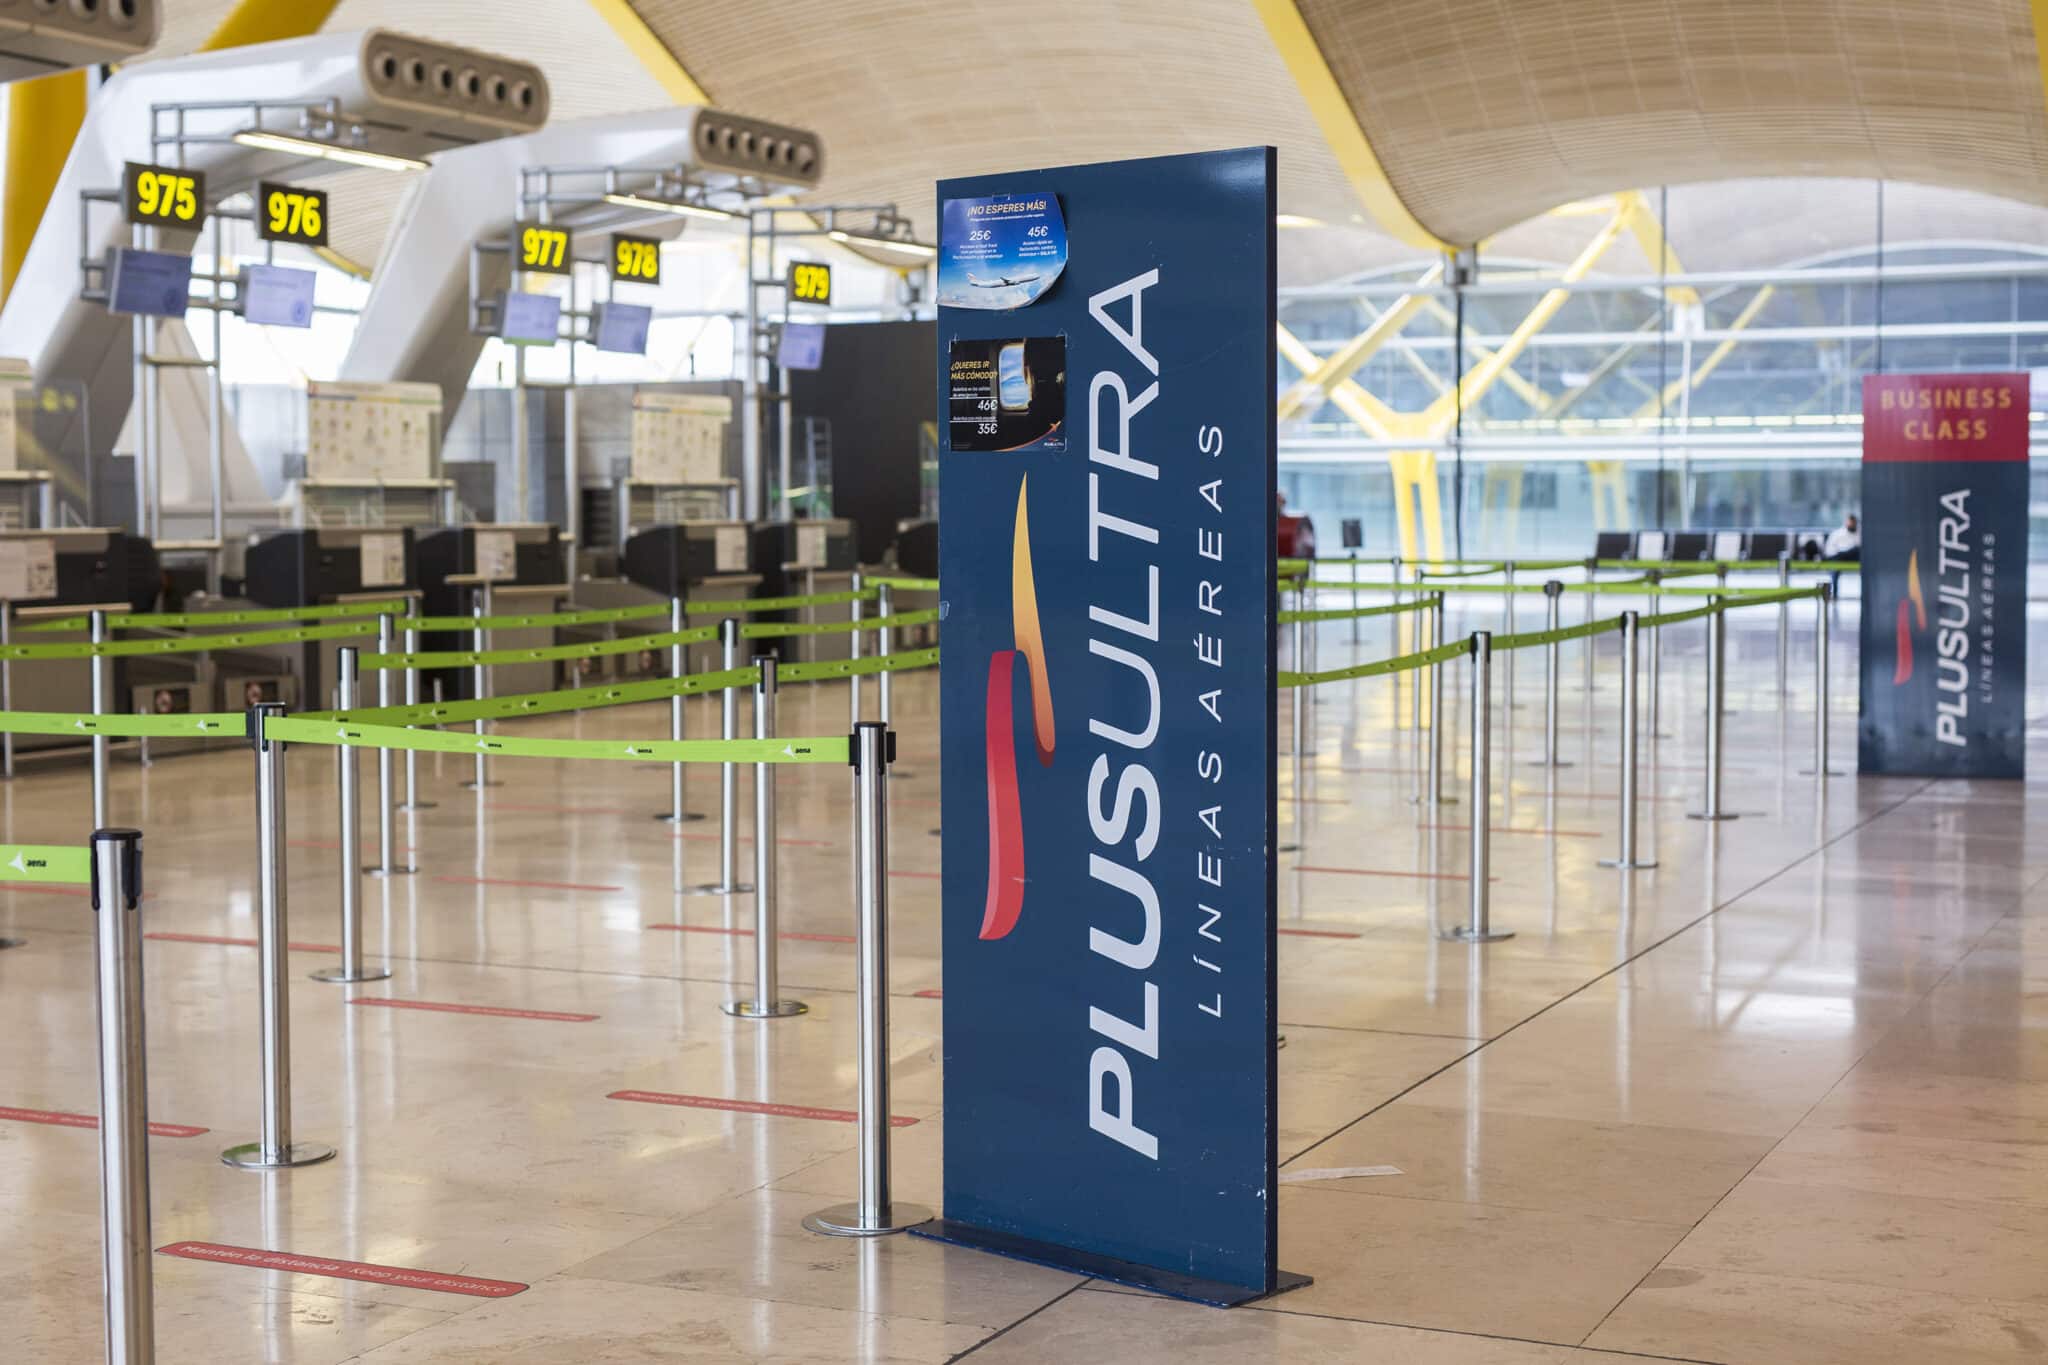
point(1008, 394)
point(1000, 252)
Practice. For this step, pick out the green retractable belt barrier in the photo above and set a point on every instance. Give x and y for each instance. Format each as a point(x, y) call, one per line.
point(186, 619)
point(597, 616)
point(45, 863)
point(1348, 613)
point(353, 733)
point(1378, 668)
point(471, 658)
point(187, 644)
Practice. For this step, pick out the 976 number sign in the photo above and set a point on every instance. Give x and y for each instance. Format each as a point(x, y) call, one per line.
point(286, 213)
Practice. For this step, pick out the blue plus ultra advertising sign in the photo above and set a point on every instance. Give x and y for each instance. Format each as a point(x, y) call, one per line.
point(1108, 712)
point(1944, 634)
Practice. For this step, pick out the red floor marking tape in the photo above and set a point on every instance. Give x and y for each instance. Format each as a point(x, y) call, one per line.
point(538, 886)
point(48, 890)
point(495, 1011)
point(58, 1119)
point(1379, 872)
point(749, 933)
point(929, 995)
point(1517, 829)
point(399, 1276)
point(242, 942)
point(900, 872)
point(781, 1111)
point(1319, 933)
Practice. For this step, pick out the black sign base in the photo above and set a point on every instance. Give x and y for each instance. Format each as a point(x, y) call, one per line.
point(1213, 1292)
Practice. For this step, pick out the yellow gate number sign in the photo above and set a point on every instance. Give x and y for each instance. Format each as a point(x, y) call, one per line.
point(162, 195)
point(286, 213)
point(636, 258)
point(810, 282)
point(536, 246)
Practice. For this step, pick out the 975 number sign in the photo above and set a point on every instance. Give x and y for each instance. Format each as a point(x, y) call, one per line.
point(536, 246)
point(158, 196)
point(810, 282)
point(286, 213)
point(637, 259)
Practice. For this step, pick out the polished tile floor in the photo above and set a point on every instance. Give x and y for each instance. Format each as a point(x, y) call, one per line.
point(1782, 1099)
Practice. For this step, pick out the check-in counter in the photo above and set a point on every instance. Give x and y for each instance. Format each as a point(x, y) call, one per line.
point(698, 561)
point(46, 574)
point(506, 569)
point(802, 559)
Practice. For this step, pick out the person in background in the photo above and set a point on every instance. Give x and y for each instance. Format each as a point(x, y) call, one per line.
point(1843, 545)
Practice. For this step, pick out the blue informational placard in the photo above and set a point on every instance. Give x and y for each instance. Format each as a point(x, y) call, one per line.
point(622, 327)
point(275, 296)
point(152, 283)
point(1000, 251)
point(1108, 713)
point(801, 346)
point(530, 319)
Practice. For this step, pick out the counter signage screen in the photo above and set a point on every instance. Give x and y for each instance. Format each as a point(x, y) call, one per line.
point(622, 327)
point(1108, 714)
point(530, 319)
point(275, 296)
point(152, 283)
point(802, 346)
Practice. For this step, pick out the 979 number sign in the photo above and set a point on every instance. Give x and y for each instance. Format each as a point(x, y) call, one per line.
point(286, 213)
point(536, 246)
point(810, 282)
point(157, 196)
point(637, 259)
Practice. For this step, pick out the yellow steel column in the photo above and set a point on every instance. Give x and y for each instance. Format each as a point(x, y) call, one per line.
point(43, 117)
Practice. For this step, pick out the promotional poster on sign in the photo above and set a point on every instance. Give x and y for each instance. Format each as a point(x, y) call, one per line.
point(1944, 575)
point(1001, 251)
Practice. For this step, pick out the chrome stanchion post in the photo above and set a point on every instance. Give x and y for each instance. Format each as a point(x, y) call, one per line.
point(1784, 616)
point(101, 666)
point(480, 683)
point(1435, 794)
point(875, 1212)
point(1656, 659)
point(677, 667)
point(767, 1002)
point(728, 773)
point(853, 651)
point(274, 1146)
point(1820, 683)
point(1507, 627)
point(885, 643)
point(1300, 703)
point(1717, 669)
point(1480, 929)
point(124, 1096)
point(1626, 859)
point(6, 688)
point(1354, 597)
point(412, 698)
point(351, 968)
point(1553, 654)
point(386, 798)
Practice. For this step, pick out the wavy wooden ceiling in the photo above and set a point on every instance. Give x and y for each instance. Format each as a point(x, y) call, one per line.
point(1485, 113)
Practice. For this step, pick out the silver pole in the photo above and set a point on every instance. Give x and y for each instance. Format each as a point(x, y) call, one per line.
point(1299, 704)
point(874, 1212)
point(216, 437)
point(346, 690)
point(677, 668)
point(124, 1097)
point(728, 774)
point(412, 698)
point(387, 851)
point(767, 1002)
point(101, 665)
point(1820, 683)
point(1626, 859)
point(1507, 627)
point(854, 654)
point(1586, 644)
point(1354, 596)
point(1553, 654)
point(1717, 670)
point(885, 643)
point(1437, 725)
point(7, 687)
point(1480, 929)
point(480, 682)
point(1784, 617)
point(1656, 664)
point(274, 1146)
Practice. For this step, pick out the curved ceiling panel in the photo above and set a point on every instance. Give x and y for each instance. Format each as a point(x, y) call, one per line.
point(1486, 113)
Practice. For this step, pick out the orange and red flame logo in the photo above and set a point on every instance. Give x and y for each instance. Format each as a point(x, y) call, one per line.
point(1005, 806)
point(1912, 616)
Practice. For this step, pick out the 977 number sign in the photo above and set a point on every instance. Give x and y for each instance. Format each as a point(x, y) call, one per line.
point(536, 246)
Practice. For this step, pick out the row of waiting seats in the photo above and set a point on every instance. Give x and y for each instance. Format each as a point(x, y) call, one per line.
point(1719, 546)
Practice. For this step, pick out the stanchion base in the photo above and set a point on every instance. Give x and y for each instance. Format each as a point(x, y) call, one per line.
point(416, 805)
point(1287, 848)
point(13, 943)
point(342, 975)
point(751, 1009)
point(843, 1220)
point(1712, 815)
point(489, 782)
point(669, 817)
point(1551, 763)
point(249, 1156)
point(1623, 865)
point(1832, 772)
point(716, 889)
point(389, 871)
point(1466, 934)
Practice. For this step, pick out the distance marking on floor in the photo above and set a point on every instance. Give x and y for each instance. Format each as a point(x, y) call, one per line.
point(493, 1011)
point(782, 1111)
point(398, 1276)
point(57, 1118)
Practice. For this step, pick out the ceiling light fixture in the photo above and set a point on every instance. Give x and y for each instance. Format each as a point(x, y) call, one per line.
point(680, 209)
point(904, 245)
point(329, 151)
